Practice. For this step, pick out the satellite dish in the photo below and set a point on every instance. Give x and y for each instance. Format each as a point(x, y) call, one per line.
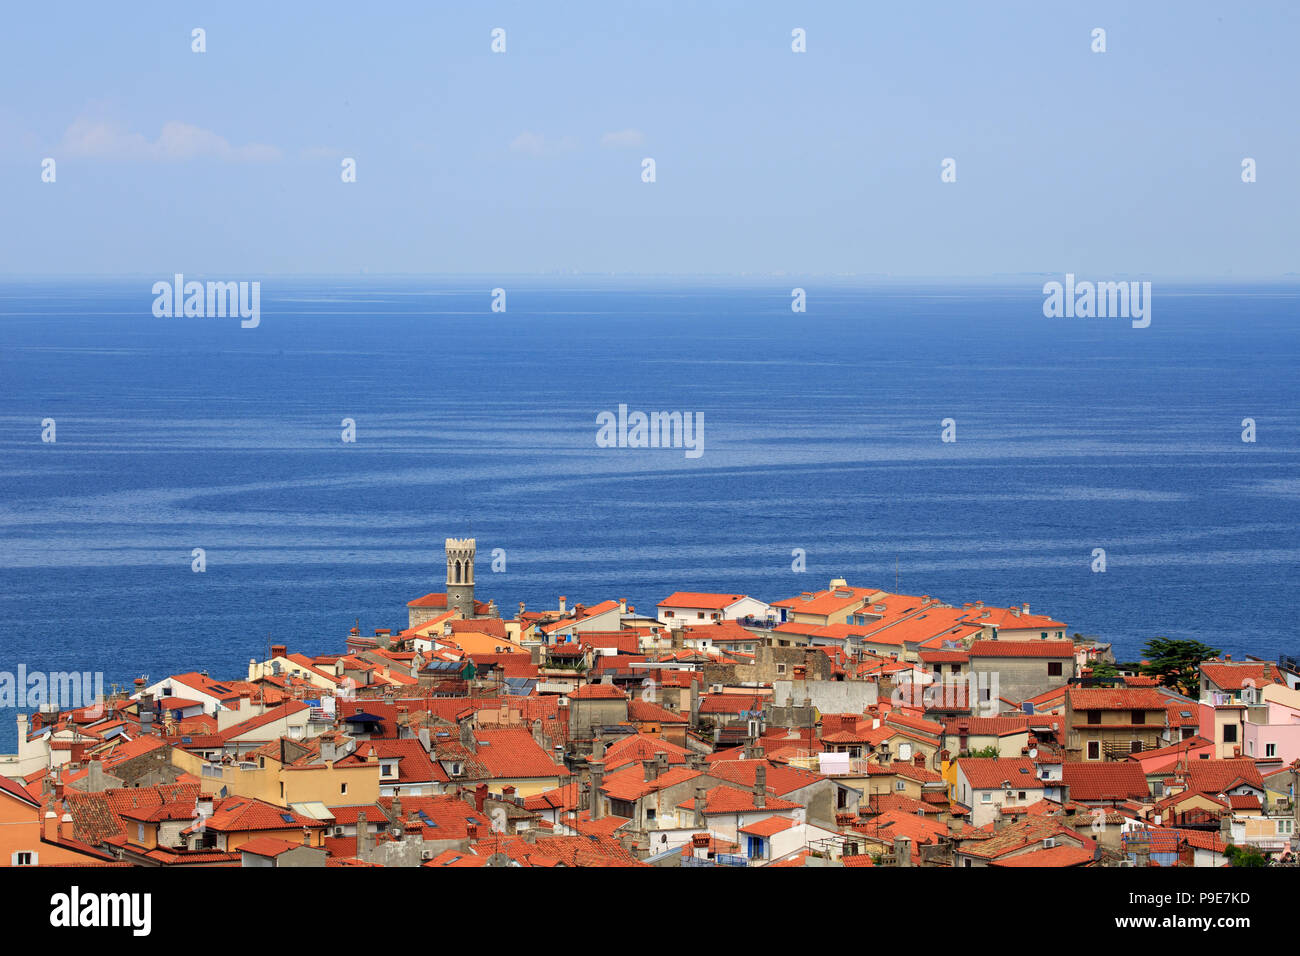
point(1033, 753)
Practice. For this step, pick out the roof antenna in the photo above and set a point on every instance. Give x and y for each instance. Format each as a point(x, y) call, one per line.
point(895, 574)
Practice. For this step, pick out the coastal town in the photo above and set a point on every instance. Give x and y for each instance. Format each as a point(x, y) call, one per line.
point(843, 727)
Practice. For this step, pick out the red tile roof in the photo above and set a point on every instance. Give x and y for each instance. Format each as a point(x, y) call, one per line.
point(988, 773)
point(597, 692)
point(1105, 781)
point(1050, 856)
point(514, 753)
point(1115, 698)
point(701, 601)
point(1052, 649)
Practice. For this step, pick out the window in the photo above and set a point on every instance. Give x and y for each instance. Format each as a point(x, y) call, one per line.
point(986, 797)
point(1229, 733)
point(1135, 746)
point(1053, 668)
point(1020, 795)
point(899, 785)
point(1138, 717)
point(668, 613)
point(343, 789)
point(1044, 635)
point(1094, 716)
point(23, 859)
point(1270, 750)
point(700, 615)
point(780, 668)
point(1094, 750)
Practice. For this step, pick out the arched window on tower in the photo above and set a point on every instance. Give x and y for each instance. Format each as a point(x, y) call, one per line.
point(458, 572)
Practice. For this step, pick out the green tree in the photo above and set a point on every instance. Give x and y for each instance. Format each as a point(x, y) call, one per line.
point(1245, 856)
point(1176, 663)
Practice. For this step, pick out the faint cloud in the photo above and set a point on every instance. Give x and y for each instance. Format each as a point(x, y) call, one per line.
point(623, 139)
point(532, 143)
point(176, 142)
point(321, 152)
point(536, 144)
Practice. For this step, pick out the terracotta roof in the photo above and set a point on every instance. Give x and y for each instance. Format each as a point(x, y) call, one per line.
point(514, 753)
point(1234, 676)
point(1052, 649)
point(267, 846)
point(242, 814)
point(1115, 698)
point(768, 826)
point(701, 601)
point(642, 711)
point(1051, 856)
point(734, 800)
point(1105, 780)
point(988, 773)
point(597, 692)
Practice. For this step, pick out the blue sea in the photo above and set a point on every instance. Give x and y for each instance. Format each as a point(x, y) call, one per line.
point(821, 432)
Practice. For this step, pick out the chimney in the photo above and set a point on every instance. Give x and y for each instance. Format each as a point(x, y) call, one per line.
point(651, 769)
point(760, 785)
point(521, 608)
point(95, 777)
point(661, 759)
point(306, 836)
point(902, 851)
point(1024, 608)
point(622, 605)
point(701, 801)
point(597, 778)
point(480, 795)
point(279, 650)
point(145, 710)
point(363, 836)
point(564, 603)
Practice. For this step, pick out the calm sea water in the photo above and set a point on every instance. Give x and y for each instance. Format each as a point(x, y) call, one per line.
point(822, 432)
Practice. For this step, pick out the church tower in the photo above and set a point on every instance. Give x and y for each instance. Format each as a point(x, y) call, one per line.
point(460, 575)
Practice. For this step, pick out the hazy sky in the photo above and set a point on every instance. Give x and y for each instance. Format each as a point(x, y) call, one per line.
point(227, 162)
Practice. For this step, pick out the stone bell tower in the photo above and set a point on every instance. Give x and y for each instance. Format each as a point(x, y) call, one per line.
point(460, 575)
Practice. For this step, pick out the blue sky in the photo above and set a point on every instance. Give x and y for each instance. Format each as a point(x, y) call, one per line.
point(768, 162)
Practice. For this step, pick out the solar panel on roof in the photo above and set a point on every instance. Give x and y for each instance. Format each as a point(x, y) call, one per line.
point(287, 817)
